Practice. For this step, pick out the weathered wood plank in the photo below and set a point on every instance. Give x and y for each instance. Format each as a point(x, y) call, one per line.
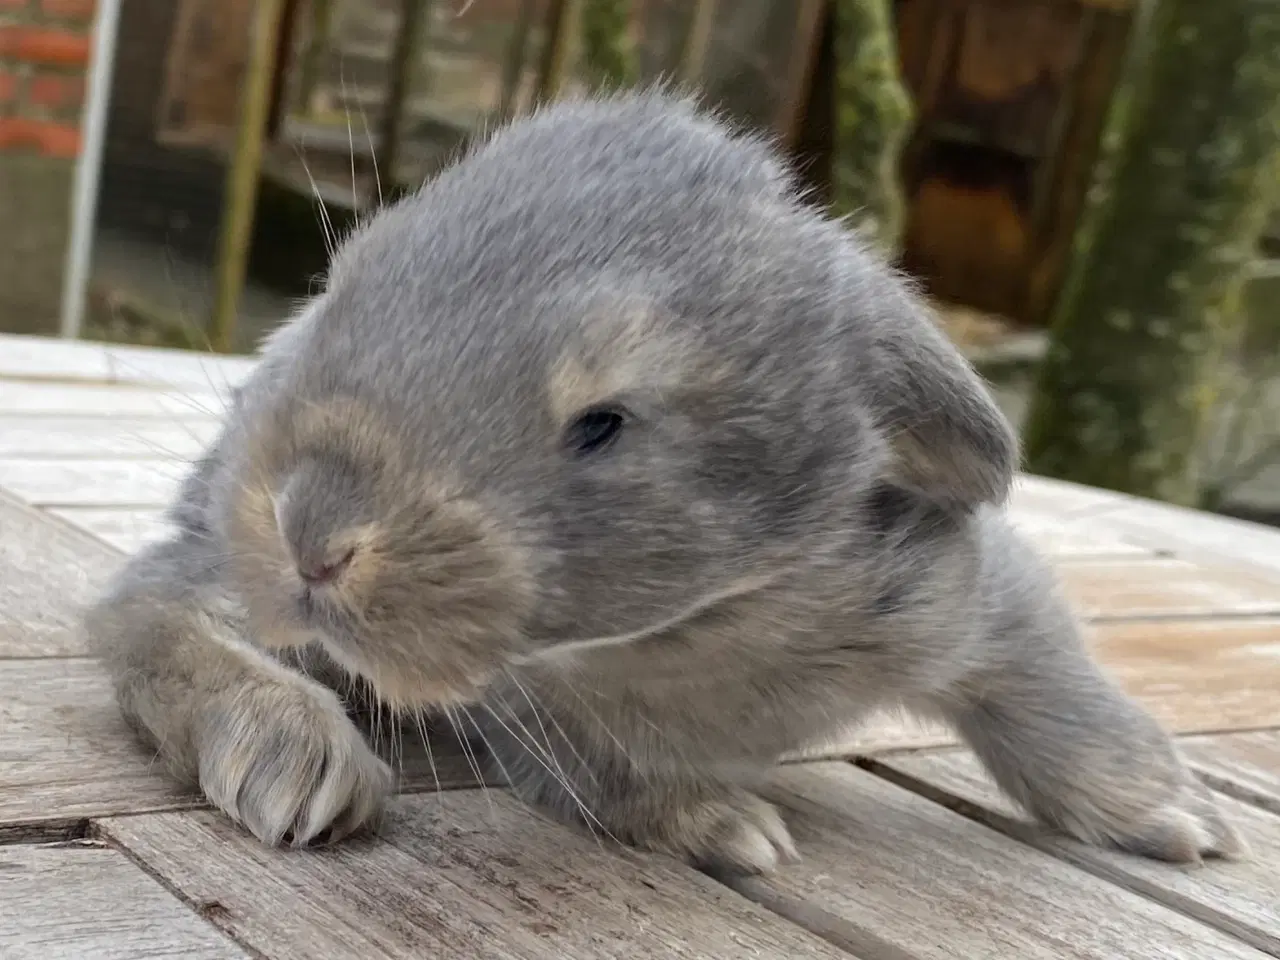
point(47, 572)
point(1245, 765)
point(1059, 498)
point(178, 369)
point(883, 730)
point(128, 530)
point(42, 399)
point(1195, 675)
point(84, 901)
point(885, 866)
point(1189, 534)
point(30, 357)
point(456, 877)
point(1068, 522)
point(94, 483)
point(1197, 535)
point(94, 437)
point(1239, 898)
point(1065, 540)
point(1166, 588)
point(66, 754)
point(1198, 676)
point(42, 358)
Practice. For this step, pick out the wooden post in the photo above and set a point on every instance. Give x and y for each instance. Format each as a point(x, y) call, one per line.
point(557, 49)
point(413, 15)
point(241, 195)
point(513, 65)
point(804, 54)
point(317, 44)
point(873, 117)
point(276, 106)
point(697, 40)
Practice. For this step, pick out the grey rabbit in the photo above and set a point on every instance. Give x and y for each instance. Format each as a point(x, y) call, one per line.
point(611, 435)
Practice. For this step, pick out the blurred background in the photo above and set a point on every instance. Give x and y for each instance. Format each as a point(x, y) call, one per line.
point(1089, 190)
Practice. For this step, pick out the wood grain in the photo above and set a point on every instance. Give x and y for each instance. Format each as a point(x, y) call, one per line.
point(84, 901)
point(66, 754)
point(30, 357)
point(1189, 534)
point(126, 529)
point(48, 399)
point(884, 866)
point(1065, 540)
point(1246, 765)
point(43, 358)
point(179, 370)
point(65, 751)
point(93, 483)
point(1166, 588)
point(1239, 898)
point(457, 877)
point(47, 572)
point(1198, 676)
point(92, 437)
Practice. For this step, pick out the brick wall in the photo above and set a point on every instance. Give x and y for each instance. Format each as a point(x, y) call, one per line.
point(44, 50)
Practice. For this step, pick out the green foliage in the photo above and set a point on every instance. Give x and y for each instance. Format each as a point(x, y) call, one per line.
point(608, 53)
point(1132, 374)
point(872, 118)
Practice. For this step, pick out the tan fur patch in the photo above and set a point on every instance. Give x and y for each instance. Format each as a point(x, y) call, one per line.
point(631, 351)
point(366, 561)
point(364, 434)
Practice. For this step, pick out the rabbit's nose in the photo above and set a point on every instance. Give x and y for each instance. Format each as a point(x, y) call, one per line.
point(315, 572)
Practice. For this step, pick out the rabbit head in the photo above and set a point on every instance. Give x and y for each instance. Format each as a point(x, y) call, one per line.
point(604, 373)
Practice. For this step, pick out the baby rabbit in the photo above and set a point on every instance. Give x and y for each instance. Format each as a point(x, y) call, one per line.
point(607, 435)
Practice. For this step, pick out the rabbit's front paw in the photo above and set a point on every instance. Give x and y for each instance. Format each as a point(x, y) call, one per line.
point(739, 833)
point(284, 760)
point(1185, 828)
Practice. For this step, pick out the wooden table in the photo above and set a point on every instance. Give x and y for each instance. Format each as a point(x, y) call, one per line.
point(908, 852)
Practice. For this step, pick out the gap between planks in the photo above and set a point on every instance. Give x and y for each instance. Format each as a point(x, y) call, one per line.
point(1234, 897)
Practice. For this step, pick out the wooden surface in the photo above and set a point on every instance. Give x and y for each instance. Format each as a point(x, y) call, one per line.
point(83, 899)
point(1241, 898)
point(908, 852)
point(457, 875)
point(41, 562)
point(887, 865)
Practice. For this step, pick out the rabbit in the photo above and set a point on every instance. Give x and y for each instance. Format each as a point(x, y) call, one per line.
point(611, 435)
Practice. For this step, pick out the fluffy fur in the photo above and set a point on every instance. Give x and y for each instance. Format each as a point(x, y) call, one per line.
point(800, 521)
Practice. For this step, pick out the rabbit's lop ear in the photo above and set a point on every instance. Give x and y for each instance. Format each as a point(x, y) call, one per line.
point(950, 442)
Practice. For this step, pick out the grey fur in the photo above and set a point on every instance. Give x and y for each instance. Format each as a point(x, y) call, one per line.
point(803, 520)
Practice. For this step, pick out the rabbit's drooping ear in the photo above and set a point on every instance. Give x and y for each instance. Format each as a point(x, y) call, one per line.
point(950, 441)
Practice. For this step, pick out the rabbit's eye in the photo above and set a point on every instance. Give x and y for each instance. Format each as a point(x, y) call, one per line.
point(594, 430)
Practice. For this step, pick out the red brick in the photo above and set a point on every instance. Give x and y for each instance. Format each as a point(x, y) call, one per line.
point(9, 84)
point(55, 91)
point(44, 45)
point(50, 139)
point(67, 9)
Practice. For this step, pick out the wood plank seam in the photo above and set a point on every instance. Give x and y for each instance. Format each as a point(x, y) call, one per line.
point(1236, 790)
point(1262, 613)
point(841, 933)
point(53, 830)
point(1079, 856)
point(205, 910)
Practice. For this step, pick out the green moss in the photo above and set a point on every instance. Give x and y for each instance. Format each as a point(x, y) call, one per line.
point(608, 53)
point(1151, 301)
point(872, 118)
